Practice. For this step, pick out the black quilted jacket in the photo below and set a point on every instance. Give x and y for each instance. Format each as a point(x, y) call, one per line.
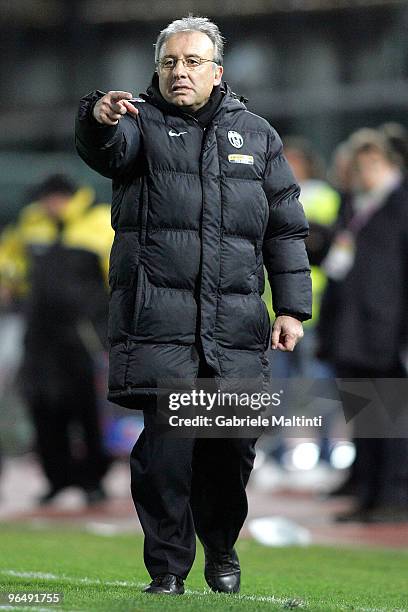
point(197, 214)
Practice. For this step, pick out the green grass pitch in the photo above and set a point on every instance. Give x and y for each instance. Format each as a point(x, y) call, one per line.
point(107, 573)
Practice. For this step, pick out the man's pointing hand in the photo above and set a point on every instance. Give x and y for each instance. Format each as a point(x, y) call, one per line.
point(112, 106)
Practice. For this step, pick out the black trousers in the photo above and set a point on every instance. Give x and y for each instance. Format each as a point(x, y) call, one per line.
point(182, 487)
point(69, 457)
point(380, 470)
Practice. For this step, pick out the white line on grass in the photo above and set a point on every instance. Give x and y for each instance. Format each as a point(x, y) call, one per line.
point(124, 583)
point(64, 578)
point(97, 582)
point(262, 598)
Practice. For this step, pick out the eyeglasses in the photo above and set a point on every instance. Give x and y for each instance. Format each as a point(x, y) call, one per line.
point(190, 63)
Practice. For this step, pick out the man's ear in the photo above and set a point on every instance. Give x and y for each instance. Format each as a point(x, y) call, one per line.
point(218, 75)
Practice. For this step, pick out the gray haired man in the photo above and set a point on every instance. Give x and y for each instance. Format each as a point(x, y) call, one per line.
point(203, 198)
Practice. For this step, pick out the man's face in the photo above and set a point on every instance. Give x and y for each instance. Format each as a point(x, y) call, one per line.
point(370, 169)
point(188, 88)
point(55, 203)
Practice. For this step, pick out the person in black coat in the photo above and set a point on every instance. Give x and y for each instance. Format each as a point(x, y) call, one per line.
point(363, 327)
point(202, 198)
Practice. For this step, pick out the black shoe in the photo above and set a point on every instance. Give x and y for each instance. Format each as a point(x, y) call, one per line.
point(166, 584)
point(222, 571)
point(95, 495)
point(49, 497)
point(359, 515)
point(389, 514)
point(349, 488)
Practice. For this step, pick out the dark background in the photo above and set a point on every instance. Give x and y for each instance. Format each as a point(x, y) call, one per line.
point(319, 68)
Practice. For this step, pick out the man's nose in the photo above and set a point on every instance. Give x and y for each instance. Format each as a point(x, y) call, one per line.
point(179, 69)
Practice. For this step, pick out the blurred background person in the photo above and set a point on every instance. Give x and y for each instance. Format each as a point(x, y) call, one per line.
point(54, 262)
point(341, 177)
point(363, 325)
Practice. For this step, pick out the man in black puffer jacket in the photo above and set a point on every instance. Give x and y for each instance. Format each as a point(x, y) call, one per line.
point(202, 198)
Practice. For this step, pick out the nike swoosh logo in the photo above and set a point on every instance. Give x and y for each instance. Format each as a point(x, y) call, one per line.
point(172, 133)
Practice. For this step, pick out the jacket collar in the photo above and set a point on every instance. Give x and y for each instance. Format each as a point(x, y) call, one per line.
point(222, 99)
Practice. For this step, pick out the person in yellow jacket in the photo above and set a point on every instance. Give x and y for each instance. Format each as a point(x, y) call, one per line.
point(54, 261)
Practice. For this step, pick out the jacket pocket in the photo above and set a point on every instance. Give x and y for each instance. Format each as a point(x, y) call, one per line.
point(140, 296)
point(113, 264)
point(266, 323)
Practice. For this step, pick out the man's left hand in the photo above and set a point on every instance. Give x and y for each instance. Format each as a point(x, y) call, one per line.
point(286, 333)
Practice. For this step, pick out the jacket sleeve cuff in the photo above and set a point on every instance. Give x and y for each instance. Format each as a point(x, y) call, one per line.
point(295, 315)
